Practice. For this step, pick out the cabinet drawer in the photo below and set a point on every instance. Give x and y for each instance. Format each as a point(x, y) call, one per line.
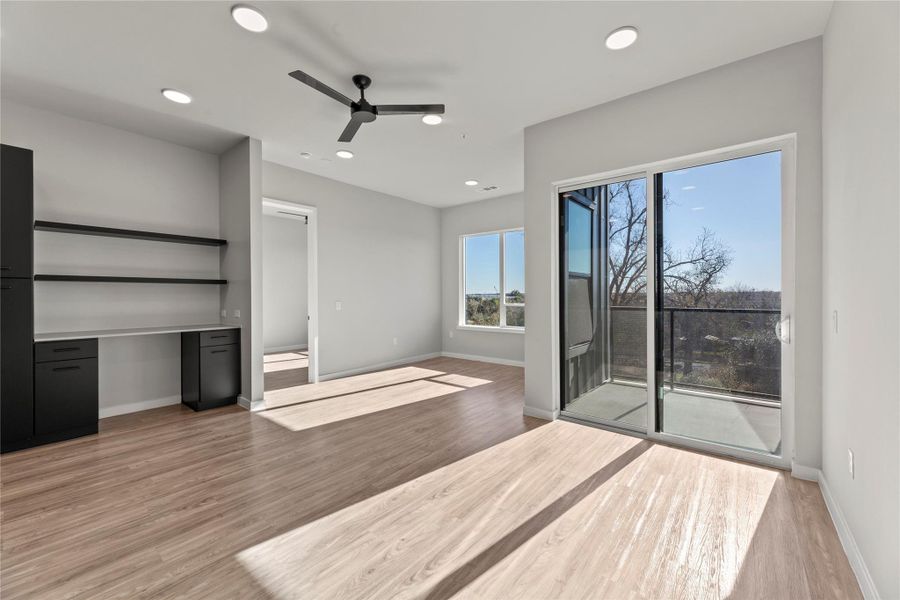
point(65, 395)
point(222, 337)
point(65, 350)
point(220, 374)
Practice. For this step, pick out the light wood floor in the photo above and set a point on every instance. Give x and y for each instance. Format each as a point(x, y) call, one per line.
point(285, 370)
point(450, 494)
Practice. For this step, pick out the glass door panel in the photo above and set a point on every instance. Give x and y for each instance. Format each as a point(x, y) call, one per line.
point(603, 287)
point(718, 303)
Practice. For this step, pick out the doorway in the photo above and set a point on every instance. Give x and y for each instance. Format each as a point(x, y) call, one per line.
point(672, 314)
point(289, 295)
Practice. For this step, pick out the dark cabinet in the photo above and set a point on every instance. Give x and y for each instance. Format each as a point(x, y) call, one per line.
point(210, 368)
point(16, 383)
point(16, 212)
point(65, 391)
point(17, 295)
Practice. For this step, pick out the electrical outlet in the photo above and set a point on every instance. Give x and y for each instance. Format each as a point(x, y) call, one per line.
point(395, 341)
point(451, 334)
point(224, 313)
point(338, 305)
point(237, 313)
point(850, 464)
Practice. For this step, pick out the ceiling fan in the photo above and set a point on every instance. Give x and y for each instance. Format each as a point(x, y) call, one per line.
point(361, 111)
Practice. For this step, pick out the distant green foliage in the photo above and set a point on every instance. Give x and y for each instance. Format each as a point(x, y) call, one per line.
point(483, 310)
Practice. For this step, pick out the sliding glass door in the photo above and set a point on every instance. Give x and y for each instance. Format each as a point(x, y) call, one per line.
point(604, 298)
point(712, 376)
point(718, 303)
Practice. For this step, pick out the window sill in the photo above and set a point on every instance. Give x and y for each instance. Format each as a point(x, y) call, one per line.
point(518, 330)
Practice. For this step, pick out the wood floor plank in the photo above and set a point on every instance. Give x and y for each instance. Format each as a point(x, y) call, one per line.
point(417, 482)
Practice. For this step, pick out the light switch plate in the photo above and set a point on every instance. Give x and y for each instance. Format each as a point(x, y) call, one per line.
point(338, 305)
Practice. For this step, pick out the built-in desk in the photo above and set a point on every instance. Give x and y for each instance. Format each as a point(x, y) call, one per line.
point(103, 333)
point(66, 374)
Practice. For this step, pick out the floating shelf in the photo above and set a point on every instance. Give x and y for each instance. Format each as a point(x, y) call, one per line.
point(126, 233)
point(116, 279)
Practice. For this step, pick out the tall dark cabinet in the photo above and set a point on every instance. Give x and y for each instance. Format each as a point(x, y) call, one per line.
point(16, 297)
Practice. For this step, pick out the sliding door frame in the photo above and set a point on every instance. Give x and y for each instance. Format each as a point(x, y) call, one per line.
point(786, 144)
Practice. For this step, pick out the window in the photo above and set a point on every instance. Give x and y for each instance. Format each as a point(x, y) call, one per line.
point(493, 279)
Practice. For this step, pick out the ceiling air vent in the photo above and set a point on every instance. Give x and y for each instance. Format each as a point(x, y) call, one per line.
point(489, 188)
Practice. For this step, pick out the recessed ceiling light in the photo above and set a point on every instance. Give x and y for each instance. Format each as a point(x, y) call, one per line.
point(305, 155)
point(344, 154)
point(432, 119)
point(621, 38)
point(471, 182)
point(176, 96)
point(249, 18)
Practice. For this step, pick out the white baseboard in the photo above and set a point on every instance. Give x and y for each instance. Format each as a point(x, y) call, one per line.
point(803, 472)
point(124, 409)
point(378, 366)
point(540, 413)
point(487, 359)
point(285, 349)
point(252, 406)
point(857, 563)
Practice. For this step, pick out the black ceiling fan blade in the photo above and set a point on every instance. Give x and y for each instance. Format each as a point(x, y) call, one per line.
point(350, 130)
point(409, 109)
point(321, 87)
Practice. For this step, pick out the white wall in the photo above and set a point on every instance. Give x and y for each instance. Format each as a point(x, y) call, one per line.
point(506, 212)
point(98, 175)
point(380, 257)
point(240, 222)
point(764, 96)
point(285, 324)
point(861, 158)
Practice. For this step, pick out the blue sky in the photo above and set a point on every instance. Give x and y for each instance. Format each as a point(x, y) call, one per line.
point(483, 263)
point(738, 200)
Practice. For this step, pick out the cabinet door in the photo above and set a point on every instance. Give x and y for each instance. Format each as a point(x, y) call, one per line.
point(16, 212)
point(220, 374)
point(16, 387)
point(65, 395)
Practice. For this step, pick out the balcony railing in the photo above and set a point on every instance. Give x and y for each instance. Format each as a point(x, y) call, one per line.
point(728, 351)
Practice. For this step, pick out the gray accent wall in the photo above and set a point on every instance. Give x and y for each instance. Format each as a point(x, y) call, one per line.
point(240, 222)
point(768, 95)
point(89, 173)
point(861, 256)
point(506, 212)
point(379, 256)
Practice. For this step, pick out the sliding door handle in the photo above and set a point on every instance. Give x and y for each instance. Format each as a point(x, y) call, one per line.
point(783, 330)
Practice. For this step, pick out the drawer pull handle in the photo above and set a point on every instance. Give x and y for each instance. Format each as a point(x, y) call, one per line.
point(5, 268)
point(6, 287)
point(71, 349)
point(218, 351)
point(66, 368)
point(213, 337)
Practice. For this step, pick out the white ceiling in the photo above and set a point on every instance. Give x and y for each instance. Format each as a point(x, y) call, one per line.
point(498, 66)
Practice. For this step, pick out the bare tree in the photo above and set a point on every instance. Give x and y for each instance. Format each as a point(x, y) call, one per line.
point(690, 275)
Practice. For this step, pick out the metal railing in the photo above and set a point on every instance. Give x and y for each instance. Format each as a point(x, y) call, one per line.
point(733, 356)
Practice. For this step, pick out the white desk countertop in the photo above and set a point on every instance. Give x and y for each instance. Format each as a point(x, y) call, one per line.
point(102, 333)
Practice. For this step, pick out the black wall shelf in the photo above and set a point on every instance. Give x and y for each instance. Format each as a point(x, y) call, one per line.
point(116, 279)
point(126, 233)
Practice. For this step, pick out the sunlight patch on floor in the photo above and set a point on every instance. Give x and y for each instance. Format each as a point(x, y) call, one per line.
point(461, 380)
point(346, 385)
point(403, 542)
point(330, 410)
point(284, 361)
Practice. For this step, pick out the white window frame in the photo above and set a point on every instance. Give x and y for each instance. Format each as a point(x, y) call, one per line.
point(787, 145)
point(461, 296)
